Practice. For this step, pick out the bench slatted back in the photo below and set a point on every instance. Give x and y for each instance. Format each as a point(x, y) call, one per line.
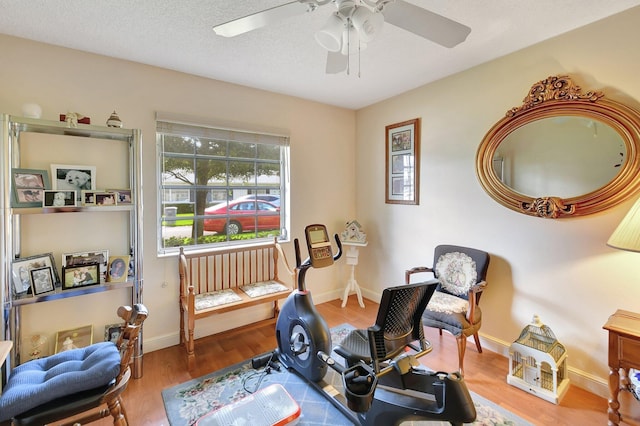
point(229, 268)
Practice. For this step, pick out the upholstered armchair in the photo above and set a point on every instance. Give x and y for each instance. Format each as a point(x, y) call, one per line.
point(461, 273)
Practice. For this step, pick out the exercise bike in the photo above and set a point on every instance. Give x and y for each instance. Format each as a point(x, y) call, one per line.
point(383, 383)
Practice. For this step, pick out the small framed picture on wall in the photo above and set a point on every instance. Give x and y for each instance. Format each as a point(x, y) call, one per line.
point(402, 167)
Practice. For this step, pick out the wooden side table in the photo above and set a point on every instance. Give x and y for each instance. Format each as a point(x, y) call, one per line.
point(624, 353)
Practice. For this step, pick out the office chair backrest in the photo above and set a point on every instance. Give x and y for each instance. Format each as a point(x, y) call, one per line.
point(399, 320)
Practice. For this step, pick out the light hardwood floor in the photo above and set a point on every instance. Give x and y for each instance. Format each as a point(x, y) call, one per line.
point(485, 373)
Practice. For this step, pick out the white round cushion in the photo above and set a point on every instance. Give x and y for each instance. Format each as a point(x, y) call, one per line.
point(456, 272)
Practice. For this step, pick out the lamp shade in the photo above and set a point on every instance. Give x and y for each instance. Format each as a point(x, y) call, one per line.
point(627, 234)
point(367, 23)
point(351, 42)
point(330, 36)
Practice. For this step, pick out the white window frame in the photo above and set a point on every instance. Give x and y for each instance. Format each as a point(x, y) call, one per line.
point(172, 124)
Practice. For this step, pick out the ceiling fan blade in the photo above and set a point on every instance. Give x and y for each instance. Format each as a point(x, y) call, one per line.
point(434, 27)
point(260, 19)
point(336, 62)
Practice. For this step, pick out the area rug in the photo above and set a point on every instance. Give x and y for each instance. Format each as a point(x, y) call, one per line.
point(187, 402)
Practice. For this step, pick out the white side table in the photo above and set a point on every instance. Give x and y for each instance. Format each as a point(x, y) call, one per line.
point(353, 250)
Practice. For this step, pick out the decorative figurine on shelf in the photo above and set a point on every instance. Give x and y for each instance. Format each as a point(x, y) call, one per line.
point(32, 110)
point(114, 120)
point(38, 342)
point(73, 118)
point(353, 233)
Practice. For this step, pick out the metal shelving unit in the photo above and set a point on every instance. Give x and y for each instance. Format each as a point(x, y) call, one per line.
point(12, 128)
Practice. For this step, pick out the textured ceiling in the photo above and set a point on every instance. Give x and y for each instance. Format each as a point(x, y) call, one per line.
point(284, 57)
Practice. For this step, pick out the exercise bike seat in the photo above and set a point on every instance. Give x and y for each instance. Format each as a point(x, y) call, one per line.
point(398, 325)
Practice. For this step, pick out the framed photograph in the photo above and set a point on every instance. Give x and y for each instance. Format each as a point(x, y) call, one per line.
point(21, 271)
point(80, 276)
point(88, 198)
point(118, 269)
point(123, 196)
point(62, 198)
point(73, 178)
point(402, 162)
point(28, 186)
point(101, 257)
point(73, 339)
point(106, 198)
point(112, 332)
point(42, 280)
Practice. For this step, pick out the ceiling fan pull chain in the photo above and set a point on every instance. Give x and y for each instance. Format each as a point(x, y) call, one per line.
point(348, 45)
point(359, 59)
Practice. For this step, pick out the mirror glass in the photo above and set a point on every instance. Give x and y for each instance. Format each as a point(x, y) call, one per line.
point(562, 156)
point(562, 153)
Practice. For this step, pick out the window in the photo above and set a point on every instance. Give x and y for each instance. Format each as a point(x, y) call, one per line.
point(219, 186)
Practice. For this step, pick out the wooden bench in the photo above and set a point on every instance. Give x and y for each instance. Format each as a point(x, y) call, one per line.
point(223, 280)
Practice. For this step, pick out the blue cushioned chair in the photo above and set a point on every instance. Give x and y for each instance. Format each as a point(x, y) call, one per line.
point(461, 273)
point(72, 382)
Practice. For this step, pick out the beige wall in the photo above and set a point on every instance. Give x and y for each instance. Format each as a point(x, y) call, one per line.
point(559, 269)
point(62, 80)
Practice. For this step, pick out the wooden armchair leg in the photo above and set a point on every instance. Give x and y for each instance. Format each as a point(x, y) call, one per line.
point(116, 409)
point(477, 339)
point(462, 347)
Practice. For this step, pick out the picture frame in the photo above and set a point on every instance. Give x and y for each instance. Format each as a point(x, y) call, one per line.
point(123, 196)
point(87, 198)
point(42, 280)
point(402, 162)
point(59, 198)
point(80, 276)
point(80, 337)
point(100, 257)
point(112, 332)
point(106, 198)
point(118, 269)
point(21, 272)
point(73, 177)
point(28, 186)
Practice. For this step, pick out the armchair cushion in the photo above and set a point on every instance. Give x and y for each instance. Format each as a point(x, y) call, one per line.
point(456, 273)
point(447, 303)
point(456, 324)
point(42, 380)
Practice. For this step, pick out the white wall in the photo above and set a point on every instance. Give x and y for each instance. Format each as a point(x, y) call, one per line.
point(62, 80)
point(559, 269)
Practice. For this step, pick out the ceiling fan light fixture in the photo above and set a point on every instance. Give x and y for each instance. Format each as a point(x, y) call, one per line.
point(351, 42)
point(368, 23)
point(330, 36)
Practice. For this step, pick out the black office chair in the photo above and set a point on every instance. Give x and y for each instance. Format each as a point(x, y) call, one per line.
point(398, 325)
point(461, 273)
point(72, 382)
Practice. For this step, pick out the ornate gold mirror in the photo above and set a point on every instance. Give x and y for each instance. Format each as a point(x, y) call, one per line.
point(562, 153)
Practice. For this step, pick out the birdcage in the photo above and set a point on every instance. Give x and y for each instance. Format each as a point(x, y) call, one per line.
point(538, 363)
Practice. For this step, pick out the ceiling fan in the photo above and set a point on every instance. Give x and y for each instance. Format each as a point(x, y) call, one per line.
point(355, 23)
